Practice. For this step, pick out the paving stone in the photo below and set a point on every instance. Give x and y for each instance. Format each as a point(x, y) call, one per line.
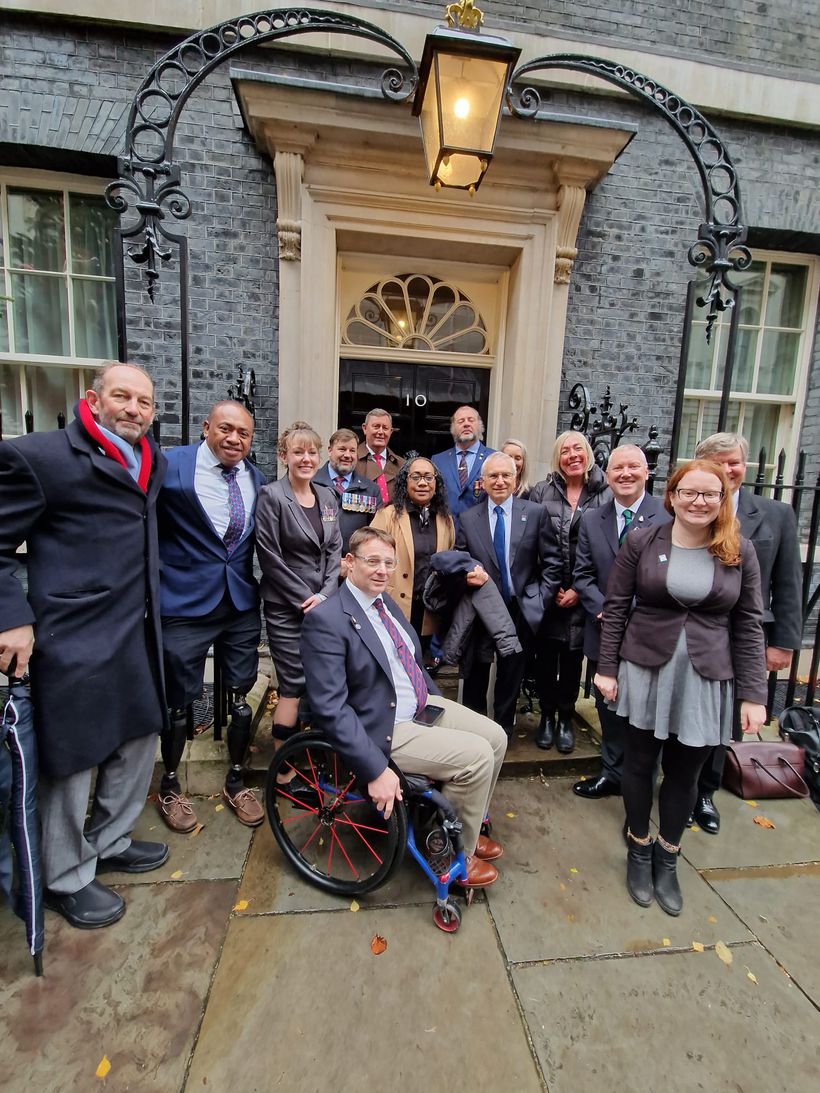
point(782, 912)
point(217, 852)
point(562, 890)
point(328, 1014)
point(596, 1024)
point(133, 992)
point(742, 842)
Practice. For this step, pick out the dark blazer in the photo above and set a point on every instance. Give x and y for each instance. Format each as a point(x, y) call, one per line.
point(93, 593)
point(295, 563)
point(368, 468)
point(535, 561)
point(595, 556)
point(349, 683)
point(772, 528)
point(461, 499)
point(724, 632)
point(196, 568)
point(361, 493)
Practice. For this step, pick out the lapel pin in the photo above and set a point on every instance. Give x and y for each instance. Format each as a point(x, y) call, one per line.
point(640, 519)
point(662, 558)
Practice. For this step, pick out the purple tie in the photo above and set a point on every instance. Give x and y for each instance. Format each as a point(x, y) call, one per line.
point(339, 483)
point(462, 471)
point(406, 656)
point(236, 510)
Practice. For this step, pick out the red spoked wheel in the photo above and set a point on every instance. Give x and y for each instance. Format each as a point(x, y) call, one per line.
point(325, 826)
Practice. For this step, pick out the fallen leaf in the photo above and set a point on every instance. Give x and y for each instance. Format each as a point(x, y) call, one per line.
point(583, 778)
point(573, 870)
point(762, 918)
point(103, 1067)
point(218, 808)
point(253, 749)
point(242, 905)
point(667, 942)
point(563, 887)
point(176, 875)
point(354, 905)
point(764, 821)
point(750, 974)
point(724, 952)
point(378, 945)
point(697, 946)
point(433, 1029)
point(570, 918)
point(751, 804)
point(712, 919)
point(196, 831)
point(510, 815)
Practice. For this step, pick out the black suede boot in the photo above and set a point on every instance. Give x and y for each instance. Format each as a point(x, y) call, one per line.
point(639, 871)
point(545, 736)
point(665, 876)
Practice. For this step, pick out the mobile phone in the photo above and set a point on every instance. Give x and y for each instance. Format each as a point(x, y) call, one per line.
point(430, 715)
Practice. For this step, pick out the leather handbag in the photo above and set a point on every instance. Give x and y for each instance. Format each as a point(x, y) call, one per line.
point(764, 768)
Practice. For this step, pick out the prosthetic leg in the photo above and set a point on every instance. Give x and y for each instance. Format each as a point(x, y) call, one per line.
point(241, 800)
point(174, 808)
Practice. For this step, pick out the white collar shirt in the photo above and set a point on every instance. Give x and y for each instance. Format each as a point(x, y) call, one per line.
point(406, 700)
point(469, 454)
point(212, 489)
point(633, 508)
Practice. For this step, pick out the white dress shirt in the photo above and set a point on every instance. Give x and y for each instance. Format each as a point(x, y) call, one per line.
point(620, 509)
point(406, 700)
point(212, 489)
point(507, 506)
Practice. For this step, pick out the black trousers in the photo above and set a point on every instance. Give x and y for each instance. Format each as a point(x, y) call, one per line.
point(557, 675)
point(681, 766)
point(509, 672)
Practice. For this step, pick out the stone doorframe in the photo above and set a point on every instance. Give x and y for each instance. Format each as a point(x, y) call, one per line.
point(350, 177)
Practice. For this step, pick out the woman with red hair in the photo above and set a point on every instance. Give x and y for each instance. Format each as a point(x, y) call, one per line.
point(682, 640)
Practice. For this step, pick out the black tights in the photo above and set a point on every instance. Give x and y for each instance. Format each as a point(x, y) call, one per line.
point(681, 766)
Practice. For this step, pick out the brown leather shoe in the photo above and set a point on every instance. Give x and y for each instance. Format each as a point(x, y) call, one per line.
point(488, 849)
point(177, 812)
point(480, 874)
point(245, 805)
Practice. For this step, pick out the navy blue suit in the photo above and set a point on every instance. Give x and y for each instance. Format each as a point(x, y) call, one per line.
point(461, 499)
point(196, 569)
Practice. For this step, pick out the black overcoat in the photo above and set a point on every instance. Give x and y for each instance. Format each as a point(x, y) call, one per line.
point(93, 593)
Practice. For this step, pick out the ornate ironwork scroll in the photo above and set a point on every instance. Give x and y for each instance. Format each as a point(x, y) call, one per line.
point(605, 430)
point(719, 249)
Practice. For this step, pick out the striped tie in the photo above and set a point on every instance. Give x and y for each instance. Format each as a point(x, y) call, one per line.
point(406, 656)
point(462, 471)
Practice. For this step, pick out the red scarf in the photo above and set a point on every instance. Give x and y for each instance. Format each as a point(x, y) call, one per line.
point(90, 425)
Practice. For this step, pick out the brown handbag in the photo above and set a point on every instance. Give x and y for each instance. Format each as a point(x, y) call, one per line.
point(764, 768)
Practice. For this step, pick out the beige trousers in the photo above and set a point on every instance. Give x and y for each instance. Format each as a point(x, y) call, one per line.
point(465, 750)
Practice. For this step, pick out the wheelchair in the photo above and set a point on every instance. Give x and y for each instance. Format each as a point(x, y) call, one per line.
point(333, 836)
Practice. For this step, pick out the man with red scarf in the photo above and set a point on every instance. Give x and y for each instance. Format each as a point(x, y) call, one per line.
point(83, 499)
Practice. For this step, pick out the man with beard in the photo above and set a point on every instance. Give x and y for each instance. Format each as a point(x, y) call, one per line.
point(375, 461)
point(84, 501)
point(461, 466)
point(358, 497)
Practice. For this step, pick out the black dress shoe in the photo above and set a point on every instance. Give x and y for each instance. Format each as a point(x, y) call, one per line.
point(565, 735)
point(546, 732)
point(89, 909)
point(601, 787)
point(706, 816)
point(140, 857)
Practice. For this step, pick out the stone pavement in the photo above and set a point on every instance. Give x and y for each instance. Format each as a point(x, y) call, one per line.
point(229, 973)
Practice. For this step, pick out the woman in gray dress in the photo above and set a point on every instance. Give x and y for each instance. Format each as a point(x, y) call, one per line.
point(299, 546)
point(675, 663)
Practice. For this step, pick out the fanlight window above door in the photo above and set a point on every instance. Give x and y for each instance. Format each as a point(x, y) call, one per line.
point(417, 312)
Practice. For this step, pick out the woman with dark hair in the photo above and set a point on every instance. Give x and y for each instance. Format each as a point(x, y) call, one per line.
point(419, 520)
point(674, 664)
point(576, 484)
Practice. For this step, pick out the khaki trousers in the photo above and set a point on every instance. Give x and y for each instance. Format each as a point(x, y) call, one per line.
point(465, 750)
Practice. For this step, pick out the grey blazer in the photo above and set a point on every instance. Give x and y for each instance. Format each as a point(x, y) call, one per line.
point(295, 563)
point(772, 529)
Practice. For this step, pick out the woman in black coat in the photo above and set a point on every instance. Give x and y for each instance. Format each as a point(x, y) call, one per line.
point(575, 485)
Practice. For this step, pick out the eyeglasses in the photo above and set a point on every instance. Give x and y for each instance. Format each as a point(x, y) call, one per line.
point(373, 562)
point(711, 497)
point(416, 477)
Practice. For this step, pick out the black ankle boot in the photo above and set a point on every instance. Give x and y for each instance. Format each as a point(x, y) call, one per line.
point(545, 736)
point(665, 876)
point(565, 737)
point(639, 871)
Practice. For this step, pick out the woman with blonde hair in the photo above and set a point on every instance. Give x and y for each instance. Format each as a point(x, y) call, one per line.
point(517, 451)
point(576, 483)
point(299, 546)
point(682, 640)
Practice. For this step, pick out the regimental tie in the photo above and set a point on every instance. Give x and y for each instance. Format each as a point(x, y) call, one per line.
point(236, 510)
point(405, 655)
point(628, 515)
point(462, 470)
point(381, 481)
point(500, 546)
point(339, 483)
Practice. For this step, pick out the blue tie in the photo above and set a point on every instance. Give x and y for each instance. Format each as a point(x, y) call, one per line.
point(500, 545)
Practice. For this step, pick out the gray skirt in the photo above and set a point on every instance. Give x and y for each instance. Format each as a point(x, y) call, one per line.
point(284, 627)
point(674, 700)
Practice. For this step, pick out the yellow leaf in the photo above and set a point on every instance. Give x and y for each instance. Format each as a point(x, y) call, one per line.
point(196, 831)
point(354, 905)
point(573, 870)
point(712, 919)
point(103, 1067)
point(697, 946)
point(570, 918)
point(723, 951)
point(242, 905)
point(666, 942)
point(176, 874)
point(751, 975)
point(378, 945)
point(218, 808)
point(583, 778)
point(563, 887)
point(764, 821)
point(751, 804)
point(511, 815)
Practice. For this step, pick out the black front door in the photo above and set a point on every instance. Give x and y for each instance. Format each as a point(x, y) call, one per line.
point(421, 398)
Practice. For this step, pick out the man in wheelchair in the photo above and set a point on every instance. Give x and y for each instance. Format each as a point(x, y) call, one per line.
point(372, 700)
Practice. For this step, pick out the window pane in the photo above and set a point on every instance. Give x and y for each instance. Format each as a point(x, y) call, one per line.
point(760, 429)
point(40, 314)
point(92, 233)
point(701, 355)
point(10, 405)
point(95, 324)
point(744, 359)
point(751, 298)
point(711, 410)
point(688, 428)
point(778, 363)
point(4, 325)
point(787, 289)
point(51, 391)
point(36, 230)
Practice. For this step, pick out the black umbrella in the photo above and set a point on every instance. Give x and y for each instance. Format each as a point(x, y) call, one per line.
point(18, 815)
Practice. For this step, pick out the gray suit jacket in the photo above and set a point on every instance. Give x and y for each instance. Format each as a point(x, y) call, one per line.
point(772, 529)
point(295, 563)
point(595, 556)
